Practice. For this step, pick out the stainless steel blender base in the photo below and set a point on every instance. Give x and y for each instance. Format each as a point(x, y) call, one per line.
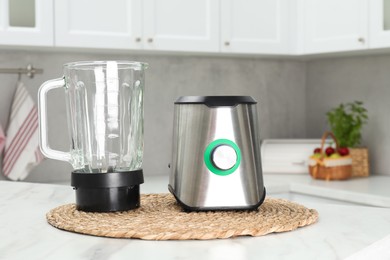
point(216, 162)
point(197, 208)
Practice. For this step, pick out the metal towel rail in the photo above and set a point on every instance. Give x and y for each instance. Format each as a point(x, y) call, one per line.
point(30, 71)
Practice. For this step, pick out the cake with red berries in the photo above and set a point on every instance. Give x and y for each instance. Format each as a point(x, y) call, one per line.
point(333, 163)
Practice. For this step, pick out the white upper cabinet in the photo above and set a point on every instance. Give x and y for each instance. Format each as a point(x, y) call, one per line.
point(258, 26)
point(114, 24)
point(181, 25)
point(334, 25)
point(26, 22)
point(379, 23)
point(280, 27)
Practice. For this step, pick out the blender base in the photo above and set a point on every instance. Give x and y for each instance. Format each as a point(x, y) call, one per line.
point(107, 192)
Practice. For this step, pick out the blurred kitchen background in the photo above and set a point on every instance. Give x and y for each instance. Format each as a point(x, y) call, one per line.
point(270, 54)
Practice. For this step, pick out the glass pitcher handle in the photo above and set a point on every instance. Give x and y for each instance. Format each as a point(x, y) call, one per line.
point(43, 127)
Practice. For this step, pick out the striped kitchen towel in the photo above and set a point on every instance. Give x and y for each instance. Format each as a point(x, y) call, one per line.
point(2, 140)
point(21, 151)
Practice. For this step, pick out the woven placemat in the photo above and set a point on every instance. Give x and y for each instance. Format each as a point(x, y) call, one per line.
point(161, 218)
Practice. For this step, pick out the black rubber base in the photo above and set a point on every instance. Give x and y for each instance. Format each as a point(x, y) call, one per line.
point(190, 208)
point(107, 192)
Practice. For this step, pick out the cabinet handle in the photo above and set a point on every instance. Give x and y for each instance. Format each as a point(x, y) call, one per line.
point(227, 43)
point(361, 40)
point(150, 40)
point(138, 39)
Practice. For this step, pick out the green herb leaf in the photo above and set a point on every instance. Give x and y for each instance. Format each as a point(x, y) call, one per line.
point(346, 122)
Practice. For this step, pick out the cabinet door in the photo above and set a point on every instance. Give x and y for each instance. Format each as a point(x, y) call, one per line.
point(257, 26)
point(112, 24)
point(181, 25)
point(379, 23)
point(26, 22)
point(334, 25)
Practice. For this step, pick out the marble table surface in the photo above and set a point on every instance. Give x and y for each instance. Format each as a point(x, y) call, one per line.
point(371, 191)
point(342, 231)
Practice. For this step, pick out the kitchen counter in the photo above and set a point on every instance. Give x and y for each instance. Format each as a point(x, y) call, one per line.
point(340, 232)
point(371, 191)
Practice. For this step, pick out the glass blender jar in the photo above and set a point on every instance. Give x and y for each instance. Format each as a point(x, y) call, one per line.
point(104, 101)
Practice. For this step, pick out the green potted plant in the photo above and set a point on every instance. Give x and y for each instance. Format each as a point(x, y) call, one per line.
point(346, 122)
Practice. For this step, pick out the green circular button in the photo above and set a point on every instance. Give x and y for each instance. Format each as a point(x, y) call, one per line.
point(208, 153)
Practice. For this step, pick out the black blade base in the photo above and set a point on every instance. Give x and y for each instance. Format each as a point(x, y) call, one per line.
point(107, 192)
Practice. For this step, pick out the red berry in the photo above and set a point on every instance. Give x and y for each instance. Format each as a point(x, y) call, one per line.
point(343, 151)
point(329, 151)
point(317, 150)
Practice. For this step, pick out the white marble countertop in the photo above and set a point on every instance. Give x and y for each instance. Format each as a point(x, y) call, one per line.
point(24, 233)
point(371, 191)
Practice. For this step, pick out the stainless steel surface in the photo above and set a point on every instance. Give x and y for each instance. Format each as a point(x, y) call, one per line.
point(29, 70)
point(224, 157)
point(195, 127)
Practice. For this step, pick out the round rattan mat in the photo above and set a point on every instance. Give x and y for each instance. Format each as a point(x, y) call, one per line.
point(161, 218)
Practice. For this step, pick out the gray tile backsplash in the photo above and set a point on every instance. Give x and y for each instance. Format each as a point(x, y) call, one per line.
point(279, 86)
point(293, 97)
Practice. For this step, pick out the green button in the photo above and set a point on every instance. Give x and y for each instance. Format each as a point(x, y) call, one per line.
point(208, 153)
